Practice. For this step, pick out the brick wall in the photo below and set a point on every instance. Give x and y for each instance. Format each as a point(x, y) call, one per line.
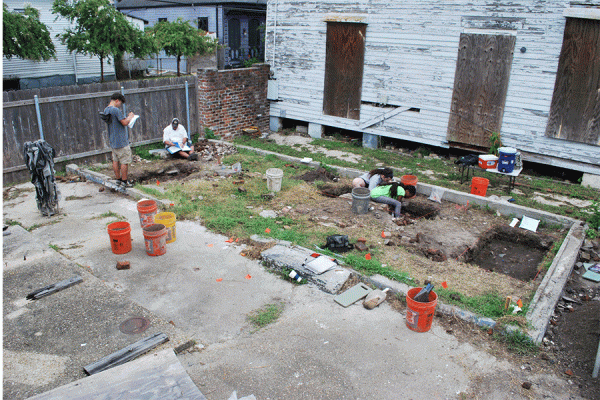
point(234, 99)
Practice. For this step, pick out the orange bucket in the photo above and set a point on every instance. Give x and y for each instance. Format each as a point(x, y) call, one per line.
point(120, 237)
point(419, 316)
point(479, 186)
point(147, 210)
point(409, 180)
point(155, 239)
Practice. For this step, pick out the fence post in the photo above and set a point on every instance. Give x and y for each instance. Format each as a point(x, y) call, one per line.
point(187, 109)
point(39, 116)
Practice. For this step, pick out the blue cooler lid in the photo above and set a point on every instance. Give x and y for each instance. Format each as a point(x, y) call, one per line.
point(507, 150)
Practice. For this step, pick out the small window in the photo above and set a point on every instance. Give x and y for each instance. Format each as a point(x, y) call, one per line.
point(162, 20)
point(203, 23)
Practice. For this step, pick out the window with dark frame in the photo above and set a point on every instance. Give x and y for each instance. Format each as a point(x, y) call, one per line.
point(203, 23)
point(162, 20)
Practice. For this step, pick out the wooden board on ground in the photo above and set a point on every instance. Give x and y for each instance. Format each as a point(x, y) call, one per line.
point(155, 376)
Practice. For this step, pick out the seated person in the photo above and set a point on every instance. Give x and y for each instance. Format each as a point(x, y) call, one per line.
point(392, 194)
point(373, 178)
point(176, 141)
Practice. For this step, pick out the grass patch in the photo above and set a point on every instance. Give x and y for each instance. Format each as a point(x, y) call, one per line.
point(110, 214)
point(373, 267)
point(144, 151)
point(265, 315)
point(517, 342)
point(489, 305)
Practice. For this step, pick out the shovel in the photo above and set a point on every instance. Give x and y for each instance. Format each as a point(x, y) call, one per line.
point(375, 298)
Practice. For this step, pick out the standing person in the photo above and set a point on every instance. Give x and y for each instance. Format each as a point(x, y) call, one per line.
point(374, 178)
point(118, 138)
point(392, 194)
point(176, 141)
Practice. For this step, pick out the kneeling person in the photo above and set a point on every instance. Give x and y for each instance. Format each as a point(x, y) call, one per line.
point(392, 195)
point(176, 141)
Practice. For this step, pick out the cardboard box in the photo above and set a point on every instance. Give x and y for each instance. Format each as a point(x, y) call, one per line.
point(488, 161)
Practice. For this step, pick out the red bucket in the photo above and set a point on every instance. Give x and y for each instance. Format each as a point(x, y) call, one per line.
point(120, 237)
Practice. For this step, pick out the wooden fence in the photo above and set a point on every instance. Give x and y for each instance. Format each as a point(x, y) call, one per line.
point(71, 125)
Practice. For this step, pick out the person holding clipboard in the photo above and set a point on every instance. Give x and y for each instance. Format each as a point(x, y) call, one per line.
point(177, 143)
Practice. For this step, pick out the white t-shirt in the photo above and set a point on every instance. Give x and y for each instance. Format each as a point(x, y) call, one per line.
point(174, 135)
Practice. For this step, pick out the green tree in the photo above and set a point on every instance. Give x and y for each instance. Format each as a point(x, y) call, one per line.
point(25, 36)
point(179, 39)
point(100, 30)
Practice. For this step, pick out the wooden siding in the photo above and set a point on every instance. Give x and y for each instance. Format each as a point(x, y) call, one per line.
point(66, 63)
point(70, 120)
point(410, 61)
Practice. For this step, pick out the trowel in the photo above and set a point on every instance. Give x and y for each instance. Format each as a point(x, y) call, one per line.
point(375, 298)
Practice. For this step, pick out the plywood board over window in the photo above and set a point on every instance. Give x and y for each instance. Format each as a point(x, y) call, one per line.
point(344, 61)
point(480, 85)
point(575, 109)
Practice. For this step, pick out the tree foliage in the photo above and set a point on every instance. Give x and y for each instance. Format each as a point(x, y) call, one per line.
point(25, 36)
point(100, 30)
point(179, 39)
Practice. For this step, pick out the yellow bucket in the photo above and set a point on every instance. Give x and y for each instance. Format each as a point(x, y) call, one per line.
point(168, 220)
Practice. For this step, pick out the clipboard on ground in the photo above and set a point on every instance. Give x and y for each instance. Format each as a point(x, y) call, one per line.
point(352, 295)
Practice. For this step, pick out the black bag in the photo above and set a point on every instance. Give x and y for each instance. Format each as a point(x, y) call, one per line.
point(469, 159)
point(105, 117)
point(338, 243)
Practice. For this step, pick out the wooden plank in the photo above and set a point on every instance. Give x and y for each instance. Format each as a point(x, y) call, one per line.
point(73, 97)
point(126, 354)
point(56, 287)
point(575, 109)
point(155, 376)
point(383, 117)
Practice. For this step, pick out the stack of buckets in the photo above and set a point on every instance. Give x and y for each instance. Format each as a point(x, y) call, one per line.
point(158, 228)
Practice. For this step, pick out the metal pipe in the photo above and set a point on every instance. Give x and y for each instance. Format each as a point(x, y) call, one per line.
point(125, 110)
point(275, 32)
point(39, 116)
point(187, 109)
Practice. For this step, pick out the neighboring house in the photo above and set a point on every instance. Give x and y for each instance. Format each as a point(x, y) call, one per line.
point(445, 74)
point(237, 24)
point(66, 69)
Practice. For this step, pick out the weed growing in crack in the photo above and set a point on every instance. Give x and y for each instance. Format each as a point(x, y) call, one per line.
point(265, 315)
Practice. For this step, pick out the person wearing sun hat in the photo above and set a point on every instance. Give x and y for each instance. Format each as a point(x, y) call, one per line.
point(176, 141)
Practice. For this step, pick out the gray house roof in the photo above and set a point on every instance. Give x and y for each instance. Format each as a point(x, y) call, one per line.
point(122, 4)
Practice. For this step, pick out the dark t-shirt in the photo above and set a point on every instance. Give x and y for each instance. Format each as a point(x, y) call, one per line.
point(117, 134)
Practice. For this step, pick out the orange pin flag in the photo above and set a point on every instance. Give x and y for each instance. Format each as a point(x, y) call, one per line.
point(229, 240)
point(172, 204)
point(210, 245)
point(368, 256)
point(157, 182)
point(248, 276)
point(520, 303)
point(219, 279)
point(237, 240)
point(445, 285)
point(268, 230)
point(382, 234)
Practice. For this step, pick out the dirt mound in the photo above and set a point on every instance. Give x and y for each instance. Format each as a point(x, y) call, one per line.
point(209, 151)
point(335, 190)
point(319, 174)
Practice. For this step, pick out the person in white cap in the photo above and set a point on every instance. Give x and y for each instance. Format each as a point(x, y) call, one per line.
point(176, 141)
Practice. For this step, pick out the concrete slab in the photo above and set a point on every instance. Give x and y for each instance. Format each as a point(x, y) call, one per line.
point(591, 180)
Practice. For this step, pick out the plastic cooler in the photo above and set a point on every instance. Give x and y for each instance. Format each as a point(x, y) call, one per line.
point(506, 159)
point(488, 161)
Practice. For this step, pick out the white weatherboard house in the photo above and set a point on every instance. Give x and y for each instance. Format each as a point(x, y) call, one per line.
point(66, 69)
point(443, 73)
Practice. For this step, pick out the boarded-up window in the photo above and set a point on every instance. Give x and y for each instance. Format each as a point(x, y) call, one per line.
point(344, 69)
point(480, 85)
point(575, 109)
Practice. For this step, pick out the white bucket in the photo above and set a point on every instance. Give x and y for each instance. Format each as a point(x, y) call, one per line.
point(274, 177)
